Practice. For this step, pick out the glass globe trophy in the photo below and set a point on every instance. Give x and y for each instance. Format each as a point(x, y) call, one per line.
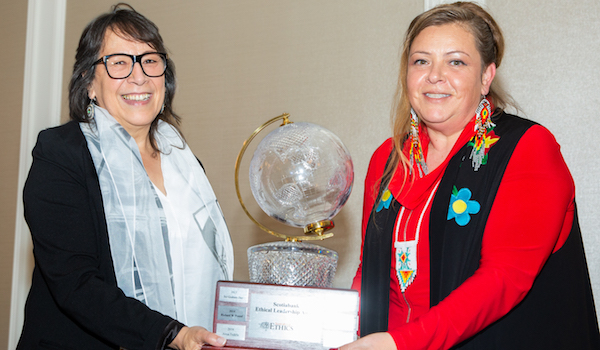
point(301, 174)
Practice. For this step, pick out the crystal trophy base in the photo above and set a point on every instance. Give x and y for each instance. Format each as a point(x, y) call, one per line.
point(292, 264)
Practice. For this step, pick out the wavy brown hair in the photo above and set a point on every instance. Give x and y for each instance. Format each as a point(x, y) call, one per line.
point(124, 21)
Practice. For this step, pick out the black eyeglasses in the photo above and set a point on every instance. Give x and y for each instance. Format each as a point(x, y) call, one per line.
point(120, 65)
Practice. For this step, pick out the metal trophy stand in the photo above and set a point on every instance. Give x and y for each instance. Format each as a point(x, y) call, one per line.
point(308, 146)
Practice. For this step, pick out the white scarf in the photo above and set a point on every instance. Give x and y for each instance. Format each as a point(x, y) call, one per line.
point(137, 228)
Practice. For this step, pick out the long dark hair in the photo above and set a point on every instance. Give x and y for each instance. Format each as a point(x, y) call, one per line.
point(124, 21)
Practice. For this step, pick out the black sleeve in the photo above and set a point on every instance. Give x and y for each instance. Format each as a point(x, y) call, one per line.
point(169, 334)
point(71, 247)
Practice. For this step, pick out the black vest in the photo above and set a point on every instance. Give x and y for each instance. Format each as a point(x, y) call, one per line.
point(557, 313)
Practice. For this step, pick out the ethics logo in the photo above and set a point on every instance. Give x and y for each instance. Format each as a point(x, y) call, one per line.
point(276, 326)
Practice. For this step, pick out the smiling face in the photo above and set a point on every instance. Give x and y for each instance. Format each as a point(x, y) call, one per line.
point(134, 101)
point(445, 80)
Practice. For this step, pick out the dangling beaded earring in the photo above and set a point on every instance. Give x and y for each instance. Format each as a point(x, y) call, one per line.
point(416, 151)
point(482, 140)
point(162, 109)
point(90, 108)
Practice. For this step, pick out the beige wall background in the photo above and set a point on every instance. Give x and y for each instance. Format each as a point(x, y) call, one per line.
point(333, 63)
point(12, 41)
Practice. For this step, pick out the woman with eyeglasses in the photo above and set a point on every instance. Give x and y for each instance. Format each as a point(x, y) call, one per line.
point(129, 239)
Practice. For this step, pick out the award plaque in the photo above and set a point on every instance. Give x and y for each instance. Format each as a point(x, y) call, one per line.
point(265, 316)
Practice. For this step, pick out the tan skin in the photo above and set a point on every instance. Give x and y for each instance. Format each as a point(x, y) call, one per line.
point(445, 82)
point(135, 102)
point(151, 160)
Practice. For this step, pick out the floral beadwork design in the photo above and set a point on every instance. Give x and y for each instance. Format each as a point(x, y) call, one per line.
point(406, 264)
point(385, 201)
point(481, 147)
point(484, 136)
point(461, 206)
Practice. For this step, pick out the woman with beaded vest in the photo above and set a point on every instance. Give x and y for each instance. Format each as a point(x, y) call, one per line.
point(129, 239)
point(470, 231)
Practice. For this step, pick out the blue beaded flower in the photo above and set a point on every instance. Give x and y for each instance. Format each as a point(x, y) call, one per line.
point(385, 201)
point(461, 206)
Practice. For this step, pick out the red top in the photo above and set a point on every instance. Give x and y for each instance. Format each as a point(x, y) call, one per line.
point(531, 218)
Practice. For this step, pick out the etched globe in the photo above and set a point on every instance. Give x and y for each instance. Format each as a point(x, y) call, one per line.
point(301, 173)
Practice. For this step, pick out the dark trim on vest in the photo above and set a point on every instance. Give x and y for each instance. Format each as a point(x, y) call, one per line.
point(377, 257)
point(455, 250)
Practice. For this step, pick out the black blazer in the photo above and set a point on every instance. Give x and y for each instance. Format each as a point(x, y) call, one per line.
point(74, 302)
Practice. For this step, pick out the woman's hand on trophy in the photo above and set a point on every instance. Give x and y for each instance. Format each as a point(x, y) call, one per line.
point(192, 338)
point(379, 341)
